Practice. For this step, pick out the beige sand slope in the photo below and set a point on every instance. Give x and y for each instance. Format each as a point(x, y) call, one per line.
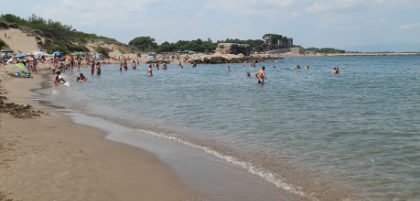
point(17, 40)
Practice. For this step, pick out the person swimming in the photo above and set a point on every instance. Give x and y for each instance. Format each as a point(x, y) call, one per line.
point(336, 70)
point(307, 67)
point(297, 67)
point(81, 78)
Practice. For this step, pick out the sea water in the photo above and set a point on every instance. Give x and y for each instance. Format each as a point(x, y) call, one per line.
point(353, 135)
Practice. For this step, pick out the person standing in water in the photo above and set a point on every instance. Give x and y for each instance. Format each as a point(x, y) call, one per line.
point(125, 64)
point(228, 68)
point(260, 75)
point(164, 66)
point(92, 68)
point(98, 68)
point(149, 71)
point(134, 65)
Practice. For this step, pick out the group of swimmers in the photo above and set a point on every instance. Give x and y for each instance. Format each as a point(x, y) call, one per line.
point(336, 70)
point(260, 75)
point(307, 67)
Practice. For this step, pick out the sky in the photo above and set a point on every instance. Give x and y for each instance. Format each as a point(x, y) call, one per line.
point(345, 24)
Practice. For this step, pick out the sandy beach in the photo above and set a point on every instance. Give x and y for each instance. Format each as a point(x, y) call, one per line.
point(51, 158)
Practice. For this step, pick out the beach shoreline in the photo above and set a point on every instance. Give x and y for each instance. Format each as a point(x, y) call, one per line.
point(51, 158)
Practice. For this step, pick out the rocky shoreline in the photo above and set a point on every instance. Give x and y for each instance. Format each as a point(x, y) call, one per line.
point(231, 58)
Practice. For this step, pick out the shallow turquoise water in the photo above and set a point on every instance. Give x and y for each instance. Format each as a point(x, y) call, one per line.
point(359, 130)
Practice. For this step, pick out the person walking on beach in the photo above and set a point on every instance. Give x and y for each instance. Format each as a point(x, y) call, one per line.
point(260, 75)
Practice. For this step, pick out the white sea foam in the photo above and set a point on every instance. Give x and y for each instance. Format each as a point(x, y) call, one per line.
point(266, 175)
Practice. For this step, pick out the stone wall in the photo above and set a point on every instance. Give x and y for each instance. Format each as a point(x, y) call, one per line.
point(233, 48)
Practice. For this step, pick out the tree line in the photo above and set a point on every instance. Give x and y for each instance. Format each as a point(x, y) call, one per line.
point(268, 42)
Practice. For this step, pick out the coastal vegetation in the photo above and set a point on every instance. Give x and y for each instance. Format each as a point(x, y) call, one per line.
point(268, 42)
point(324, 50)
point(58, 37)
point(103, 51)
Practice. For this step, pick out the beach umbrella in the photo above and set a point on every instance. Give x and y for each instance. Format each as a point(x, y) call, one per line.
point(57, 54)
point(39, 54)
point(6, 50)
point(21, 55)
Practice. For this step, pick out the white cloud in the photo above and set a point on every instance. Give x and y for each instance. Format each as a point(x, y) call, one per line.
point(88, 12)
point(250, 4)
point(412, 26)
point(320, 6)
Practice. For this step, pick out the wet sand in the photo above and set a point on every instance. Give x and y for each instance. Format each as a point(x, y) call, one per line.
point(51, 158)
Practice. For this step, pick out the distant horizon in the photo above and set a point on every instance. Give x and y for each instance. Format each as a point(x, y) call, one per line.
point(351, 25)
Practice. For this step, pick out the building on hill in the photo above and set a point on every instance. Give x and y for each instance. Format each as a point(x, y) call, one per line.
point(297, 50)
point(276, 41)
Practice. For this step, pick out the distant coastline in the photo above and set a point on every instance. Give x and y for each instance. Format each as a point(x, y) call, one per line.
point(353, 54)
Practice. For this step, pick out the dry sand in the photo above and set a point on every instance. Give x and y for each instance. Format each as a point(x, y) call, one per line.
point(17, 40)
point(50, 158)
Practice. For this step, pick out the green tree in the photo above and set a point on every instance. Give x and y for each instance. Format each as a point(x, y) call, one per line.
point(144, 43)
point(2, 44)
point(166, 47)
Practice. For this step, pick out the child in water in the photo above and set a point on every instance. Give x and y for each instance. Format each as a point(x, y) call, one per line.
point(58, 79)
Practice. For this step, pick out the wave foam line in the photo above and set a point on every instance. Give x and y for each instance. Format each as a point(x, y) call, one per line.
point(251, 168)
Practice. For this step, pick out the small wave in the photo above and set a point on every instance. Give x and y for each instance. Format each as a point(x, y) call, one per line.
point(266, 175)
